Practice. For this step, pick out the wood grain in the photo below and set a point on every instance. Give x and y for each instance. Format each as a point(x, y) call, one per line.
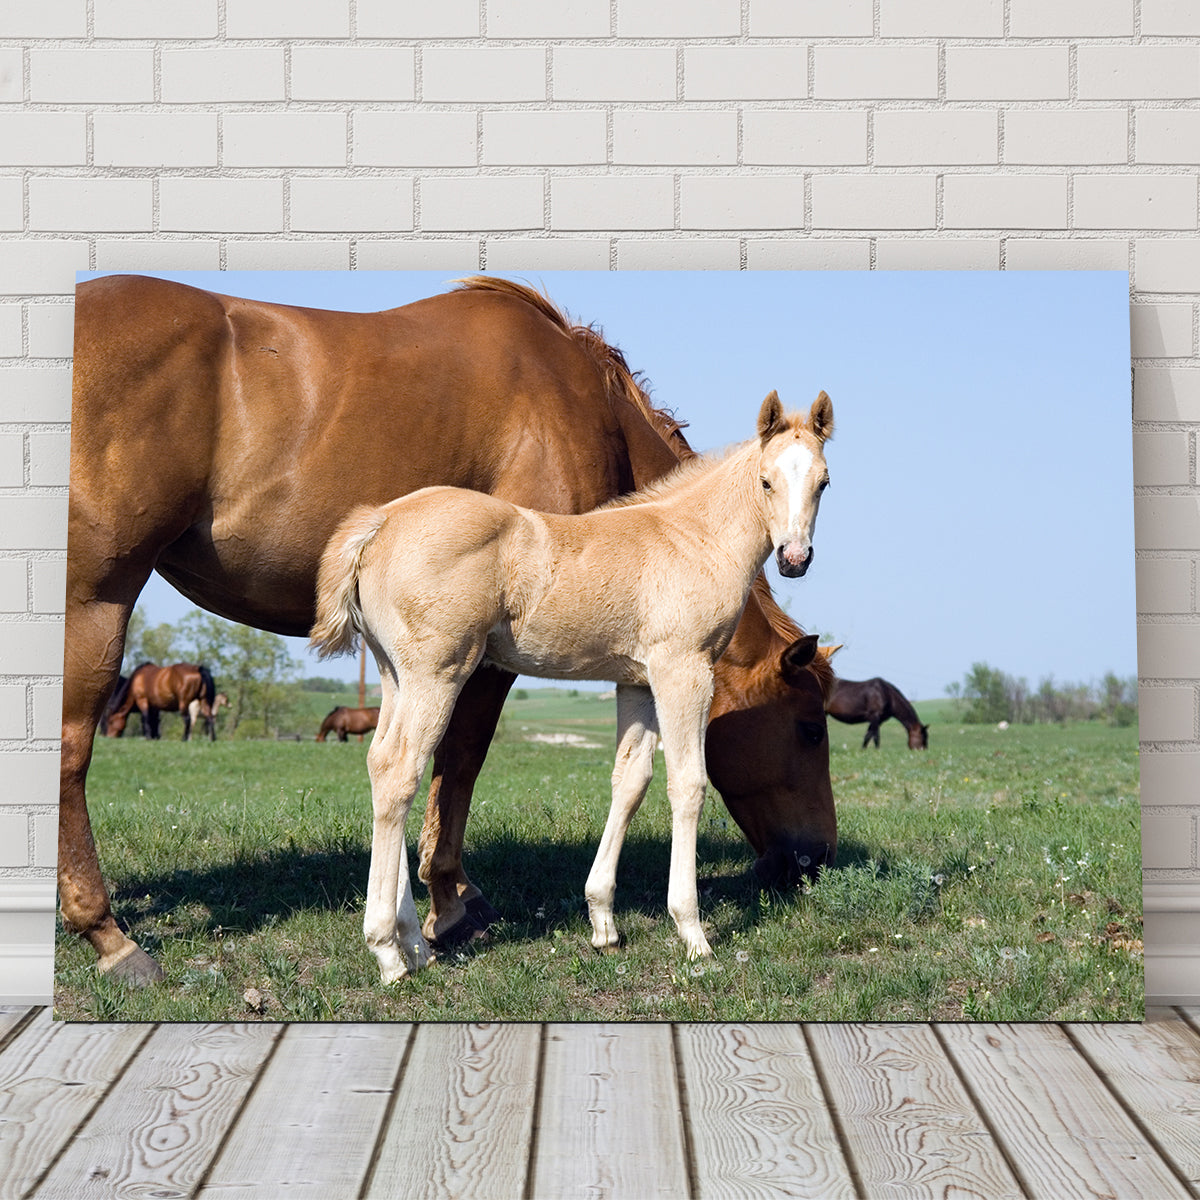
point(11, 1017)
point(51, 1076)
point(463, 1114)
point(759, 1124)
point(157, 1130)
point(1059, 1124)
point(1155, 1070)
point(610, 1126)
point(909, 1124)
point(312, 1123)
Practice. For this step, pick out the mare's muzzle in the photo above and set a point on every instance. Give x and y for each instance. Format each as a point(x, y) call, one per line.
point(792, 565)
point(789, 865)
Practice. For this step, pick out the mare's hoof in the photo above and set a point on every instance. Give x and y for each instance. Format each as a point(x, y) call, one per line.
point(459, 934)
point(135, 967)
point(481, 912)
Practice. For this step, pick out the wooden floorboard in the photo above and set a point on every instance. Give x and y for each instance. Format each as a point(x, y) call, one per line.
point(699, 1112)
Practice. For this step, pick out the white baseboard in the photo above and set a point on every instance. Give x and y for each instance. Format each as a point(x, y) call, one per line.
point(26, 958)
point(26, 974)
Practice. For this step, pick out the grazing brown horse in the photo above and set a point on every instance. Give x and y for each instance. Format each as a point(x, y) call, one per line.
point(874, 701)
point(152, 689)
point(280, 420)
point(344, 721)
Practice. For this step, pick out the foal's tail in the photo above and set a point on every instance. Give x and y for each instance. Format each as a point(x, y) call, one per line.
point(339, 616)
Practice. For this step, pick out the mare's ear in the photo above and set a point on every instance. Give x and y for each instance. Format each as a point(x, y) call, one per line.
point(796, 657)
point(770, 417)
point(820, 417)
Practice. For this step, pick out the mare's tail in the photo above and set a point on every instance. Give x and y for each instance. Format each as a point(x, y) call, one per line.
point(339, 617)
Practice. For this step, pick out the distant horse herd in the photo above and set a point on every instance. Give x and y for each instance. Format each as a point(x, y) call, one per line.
point(490, 389)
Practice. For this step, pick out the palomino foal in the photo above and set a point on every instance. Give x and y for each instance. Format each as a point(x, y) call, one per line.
point(646, 591)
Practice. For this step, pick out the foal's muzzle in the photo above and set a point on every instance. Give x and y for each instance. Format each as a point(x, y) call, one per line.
point(790, 567)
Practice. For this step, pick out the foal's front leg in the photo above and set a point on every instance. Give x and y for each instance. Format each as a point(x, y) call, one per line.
point(683, 697)
point(637, 734)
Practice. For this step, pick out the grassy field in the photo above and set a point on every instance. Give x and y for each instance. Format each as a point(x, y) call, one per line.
point(994, 877)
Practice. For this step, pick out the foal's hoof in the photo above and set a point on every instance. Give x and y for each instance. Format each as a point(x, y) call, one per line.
point(134, 967)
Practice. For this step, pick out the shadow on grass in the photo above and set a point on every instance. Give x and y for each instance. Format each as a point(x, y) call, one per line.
point(533, 884)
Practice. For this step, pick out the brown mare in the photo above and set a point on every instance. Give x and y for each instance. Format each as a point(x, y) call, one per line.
point(344, 721)
point(152, 689)
point(874, 701)
point(280, 420)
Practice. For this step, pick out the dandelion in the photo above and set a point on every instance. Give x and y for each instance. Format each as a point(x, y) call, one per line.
point(742, 956)
point(1007, 953)
point(938, 880)
point(621, 968)
point(697, 969)
point(872, 949)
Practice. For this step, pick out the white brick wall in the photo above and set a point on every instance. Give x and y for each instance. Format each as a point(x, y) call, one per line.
point(530, 134)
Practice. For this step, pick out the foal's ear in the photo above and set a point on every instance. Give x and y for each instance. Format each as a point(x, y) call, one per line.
point(820, 417)
point(827, 652)
point(796, 657)
point(770, 417)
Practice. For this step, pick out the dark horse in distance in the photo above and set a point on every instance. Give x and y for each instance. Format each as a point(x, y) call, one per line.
point(153, 689)
point(874, 701)
point(280, 420)
point(344, 721)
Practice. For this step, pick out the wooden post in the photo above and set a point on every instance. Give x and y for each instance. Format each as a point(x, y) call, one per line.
point(362, 677)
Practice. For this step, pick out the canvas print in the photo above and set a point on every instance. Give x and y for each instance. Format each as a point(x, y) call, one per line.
point(750, 646)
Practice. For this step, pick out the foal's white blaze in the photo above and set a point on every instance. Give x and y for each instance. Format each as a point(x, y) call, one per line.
point(796, 464)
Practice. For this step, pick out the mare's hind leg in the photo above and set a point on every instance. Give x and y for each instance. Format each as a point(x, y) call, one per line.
point(872, 735)
point(683, 695)
point(637, 734)
point(95, 640)
point(413, 715)
point(458, 910)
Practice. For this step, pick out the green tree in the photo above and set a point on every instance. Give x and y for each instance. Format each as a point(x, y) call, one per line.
point(988, 695)
point(149, 643)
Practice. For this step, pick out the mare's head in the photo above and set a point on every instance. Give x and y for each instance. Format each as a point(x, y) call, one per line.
point(918, 737)
point(767, 748)
point(792, 475)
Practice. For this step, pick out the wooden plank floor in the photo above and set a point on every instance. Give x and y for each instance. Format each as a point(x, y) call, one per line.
point(702, 1112)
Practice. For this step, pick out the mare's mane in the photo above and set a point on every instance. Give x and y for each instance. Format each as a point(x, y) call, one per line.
point(618, 378)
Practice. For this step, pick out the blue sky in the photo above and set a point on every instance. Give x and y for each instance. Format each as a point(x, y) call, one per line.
point(981, 506)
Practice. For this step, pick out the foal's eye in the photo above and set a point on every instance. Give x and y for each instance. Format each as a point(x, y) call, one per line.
point(766, 485)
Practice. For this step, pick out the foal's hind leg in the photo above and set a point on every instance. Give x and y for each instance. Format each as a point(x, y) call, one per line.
point(637, 734)
point(413, 714)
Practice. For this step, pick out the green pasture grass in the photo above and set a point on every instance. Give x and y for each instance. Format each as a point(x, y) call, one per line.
point(995, 877)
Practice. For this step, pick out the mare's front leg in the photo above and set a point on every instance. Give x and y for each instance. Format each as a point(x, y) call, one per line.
point(458, 910)
point(413, 715)
point(186, 713)
point(95, 639)
point(683, 689)
point(637, 734)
